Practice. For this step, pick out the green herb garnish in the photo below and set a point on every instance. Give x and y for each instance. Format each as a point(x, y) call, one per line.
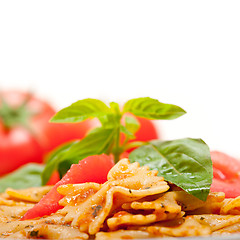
point(34, 233)
point(184, 162)
point(104, 139)
point(27, 176)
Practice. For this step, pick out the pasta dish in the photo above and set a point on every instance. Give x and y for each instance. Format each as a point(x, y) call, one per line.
point(133, 203)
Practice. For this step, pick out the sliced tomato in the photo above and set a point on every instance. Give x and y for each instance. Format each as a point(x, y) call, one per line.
point(229, 187)
point(91, 169)
point(226, 174)
point(229, 166)
point(54, 178)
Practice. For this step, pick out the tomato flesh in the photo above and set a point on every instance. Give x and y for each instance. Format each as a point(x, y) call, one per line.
point(226, 174)
point(91, 169)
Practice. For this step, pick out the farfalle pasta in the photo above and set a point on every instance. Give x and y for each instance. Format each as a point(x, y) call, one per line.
point(134, 203)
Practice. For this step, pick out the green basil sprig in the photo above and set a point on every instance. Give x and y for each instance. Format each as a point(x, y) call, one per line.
point(184, 162)
point(96, 142)
point(27, 176)
point(152, 109)
point(105, 139)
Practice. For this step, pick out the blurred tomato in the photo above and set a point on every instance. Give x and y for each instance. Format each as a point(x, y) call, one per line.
point(226, 174)
point(84, 171)
point(25, 132)
point(147, 130)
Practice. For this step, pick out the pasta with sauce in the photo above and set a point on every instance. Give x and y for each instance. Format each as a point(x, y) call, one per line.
point(133, 203)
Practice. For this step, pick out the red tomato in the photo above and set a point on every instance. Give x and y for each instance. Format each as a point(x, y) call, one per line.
point(25, 132)
point(147, 130)
point(226, 174)
point(54, 178)
point(91, 169)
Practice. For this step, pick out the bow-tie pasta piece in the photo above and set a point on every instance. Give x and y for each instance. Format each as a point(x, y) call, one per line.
point(231, 206)
point(126, 183)
point(190, 227)
point(33, 194)
point(122, 234)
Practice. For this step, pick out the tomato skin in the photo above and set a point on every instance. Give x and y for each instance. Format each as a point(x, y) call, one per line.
point(226, 174)
point(54, 178)
point(55, 134)
point(230, 188)
point(20, 145)
point(16, 148)
point(91, 169)
point(147, 130)
point(227, 164)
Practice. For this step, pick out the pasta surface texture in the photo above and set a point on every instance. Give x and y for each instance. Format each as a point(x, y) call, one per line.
point(134, 203)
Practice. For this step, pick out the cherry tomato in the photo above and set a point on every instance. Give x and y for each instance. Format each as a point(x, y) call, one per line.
point(25, 132)
point(91, 169)
point(226, 174)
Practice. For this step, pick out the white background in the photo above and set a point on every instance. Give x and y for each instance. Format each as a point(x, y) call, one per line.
point(181, 52)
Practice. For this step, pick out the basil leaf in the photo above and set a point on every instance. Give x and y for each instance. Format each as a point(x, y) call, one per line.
point(132, 124)
point(60, 150)
point(152, 109)
point(54, 159)
point(63, 167)
point(98, 141)
point(115, 108)
point(184, 162)
point(111, 120)
point(108, 121)
point(124, 130)
point(81, 110)
point(27, 176)
point(131, 127)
